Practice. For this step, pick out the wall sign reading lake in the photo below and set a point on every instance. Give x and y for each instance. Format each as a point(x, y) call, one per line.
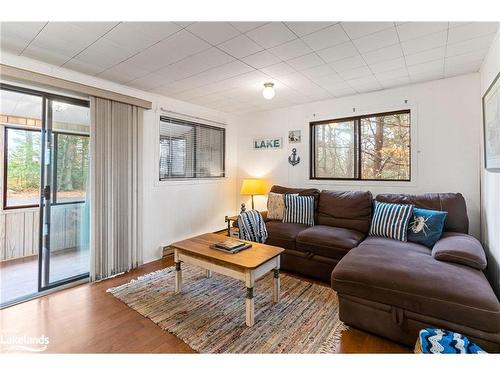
point(267, 143)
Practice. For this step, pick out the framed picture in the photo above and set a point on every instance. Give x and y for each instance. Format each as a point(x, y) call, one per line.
point(491, 126)
point(294, 136)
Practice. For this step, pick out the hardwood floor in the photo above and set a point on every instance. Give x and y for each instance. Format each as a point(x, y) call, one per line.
point(86, 319)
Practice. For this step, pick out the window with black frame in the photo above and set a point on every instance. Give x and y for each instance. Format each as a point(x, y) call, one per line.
point(373, 147)
point(190, 150)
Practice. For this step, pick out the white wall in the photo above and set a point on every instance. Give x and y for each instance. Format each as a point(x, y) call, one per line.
point(490, 231)
point(172, 210)
point(445, 133)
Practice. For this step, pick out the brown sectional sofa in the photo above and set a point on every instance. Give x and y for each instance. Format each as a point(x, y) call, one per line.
point(388, 287)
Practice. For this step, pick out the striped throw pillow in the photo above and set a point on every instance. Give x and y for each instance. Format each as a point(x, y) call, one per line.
point(299, 209)
point(390, 220)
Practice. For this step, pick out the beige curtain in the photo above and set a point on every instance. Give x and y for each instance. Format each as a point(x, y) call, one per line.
point(116, 187)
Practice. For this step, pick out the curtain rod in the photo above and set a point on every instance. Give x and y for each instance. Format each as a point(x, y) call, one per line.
point(193, 117)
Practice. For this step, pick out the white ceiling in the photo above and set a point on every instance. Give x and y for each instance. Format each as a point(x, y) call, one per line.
point(223, 65)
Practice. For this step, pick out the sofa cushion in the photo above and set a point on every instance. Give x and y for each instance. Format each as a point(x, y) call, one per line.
point(345, 209)
point(328, 241)
point(405, 275)
point(283, 234)
point(453, 203)
point(460, 248)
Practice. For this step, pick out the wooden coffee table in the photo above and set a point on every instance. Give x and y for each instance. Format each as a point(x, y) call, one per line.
point(247, 265)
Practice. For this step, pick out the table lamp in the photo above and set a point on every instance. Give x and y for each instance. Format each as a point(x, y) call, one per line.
point(252, 186)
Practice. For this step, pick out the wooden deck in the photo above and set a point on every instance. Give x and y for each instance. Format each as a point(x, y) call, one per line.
point(19, 277)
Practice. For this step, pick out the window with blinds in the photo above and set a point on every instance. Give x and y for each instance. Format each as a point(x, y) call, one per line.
point(190, 150)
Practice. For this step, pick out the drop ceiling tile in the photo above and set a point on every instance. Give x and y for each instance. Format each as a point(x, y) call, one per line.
point(305, 28)
point(426, 76)
point(202, 61)
point(356, 73)
point(424, 43)
point(467, 57)
point(240, 47)
point(325, 38)
point(377, 40)
point(412, 30)
point(426, 56)
point(12, 45)
point(183, 24)
point(338, 52)
point(358, 29)
point(293, 80)
point(137, 36)
point(277, 69)
point(84, 67)
point(305, 62)
point(213, 32)
point(342, 91)
point(480, 43)
point(290, 50)
point(261, 59)
point(392, 74)
point(329, 81)
point(45, 55)
point(428, 67)
point(457, 24)
point(226, 71)
point(382, 54)
point(347, 64)
point(123, 72)
point(365, 84)
point(395, 82)
point(318, 72)
point(64, 38)
point(147, 82)
point(176, 47)
point(95, 29)
point(271, 34)
point(20, 32)
point(471, 30)
point(387, 65)
point(246, 26)
point(452, 69)
point(103, 53)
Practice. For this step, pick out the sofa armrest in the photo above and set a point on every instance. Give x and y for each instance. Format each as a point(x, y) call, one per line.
point(460, 248)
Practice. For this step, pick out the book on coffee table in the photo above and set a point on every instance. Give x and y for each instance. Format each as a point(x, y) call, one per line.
point(231, 246)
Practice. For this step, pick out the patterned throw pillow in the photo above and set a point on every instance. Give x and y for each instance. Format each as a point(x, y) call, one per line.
point(276, 206)
point(299, 209)
point(390, 220)
point(426, 226)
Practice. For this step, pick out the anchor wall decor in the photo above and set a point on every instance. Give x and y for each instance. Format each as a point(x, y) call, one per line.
point(294, 159)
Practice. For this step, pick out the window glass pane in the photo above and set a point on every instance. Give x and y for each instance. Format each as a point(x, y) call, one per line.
point(23, 167)
point(20, 109)
point(190, 150)
point(334, 153)
point(385, 147)
point(70, 118)
point(72, 166)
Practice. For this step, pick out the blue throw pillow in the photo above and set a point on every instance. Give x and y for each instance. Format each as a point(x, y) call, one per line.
point(390, 220)
point(426, 226)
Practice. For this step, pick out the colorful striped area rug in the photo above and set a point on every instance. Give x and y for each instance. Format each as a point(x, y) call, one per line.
point(209, 313)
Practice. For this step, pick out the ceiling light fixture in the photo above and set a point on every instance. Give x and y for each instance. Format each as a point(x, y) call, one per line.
point(268, 91)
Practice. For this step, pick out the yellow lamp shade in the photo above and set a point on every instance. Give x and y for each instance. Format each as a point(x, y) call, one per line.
point(253, 186)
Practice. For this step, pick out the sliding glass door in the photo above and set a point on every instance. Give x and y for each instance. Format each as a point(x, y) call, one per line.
point(64, 203)
point(44, 219)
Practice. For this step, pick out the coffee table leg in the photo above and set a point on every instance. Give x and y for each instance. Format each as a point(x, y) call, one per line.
point(209, 273)
point(178, 273)
point(276, 289)
point(249, 283)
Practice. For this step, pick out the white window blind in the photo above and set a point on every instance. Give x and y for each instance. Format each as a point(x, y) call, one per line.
point(190, 150)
